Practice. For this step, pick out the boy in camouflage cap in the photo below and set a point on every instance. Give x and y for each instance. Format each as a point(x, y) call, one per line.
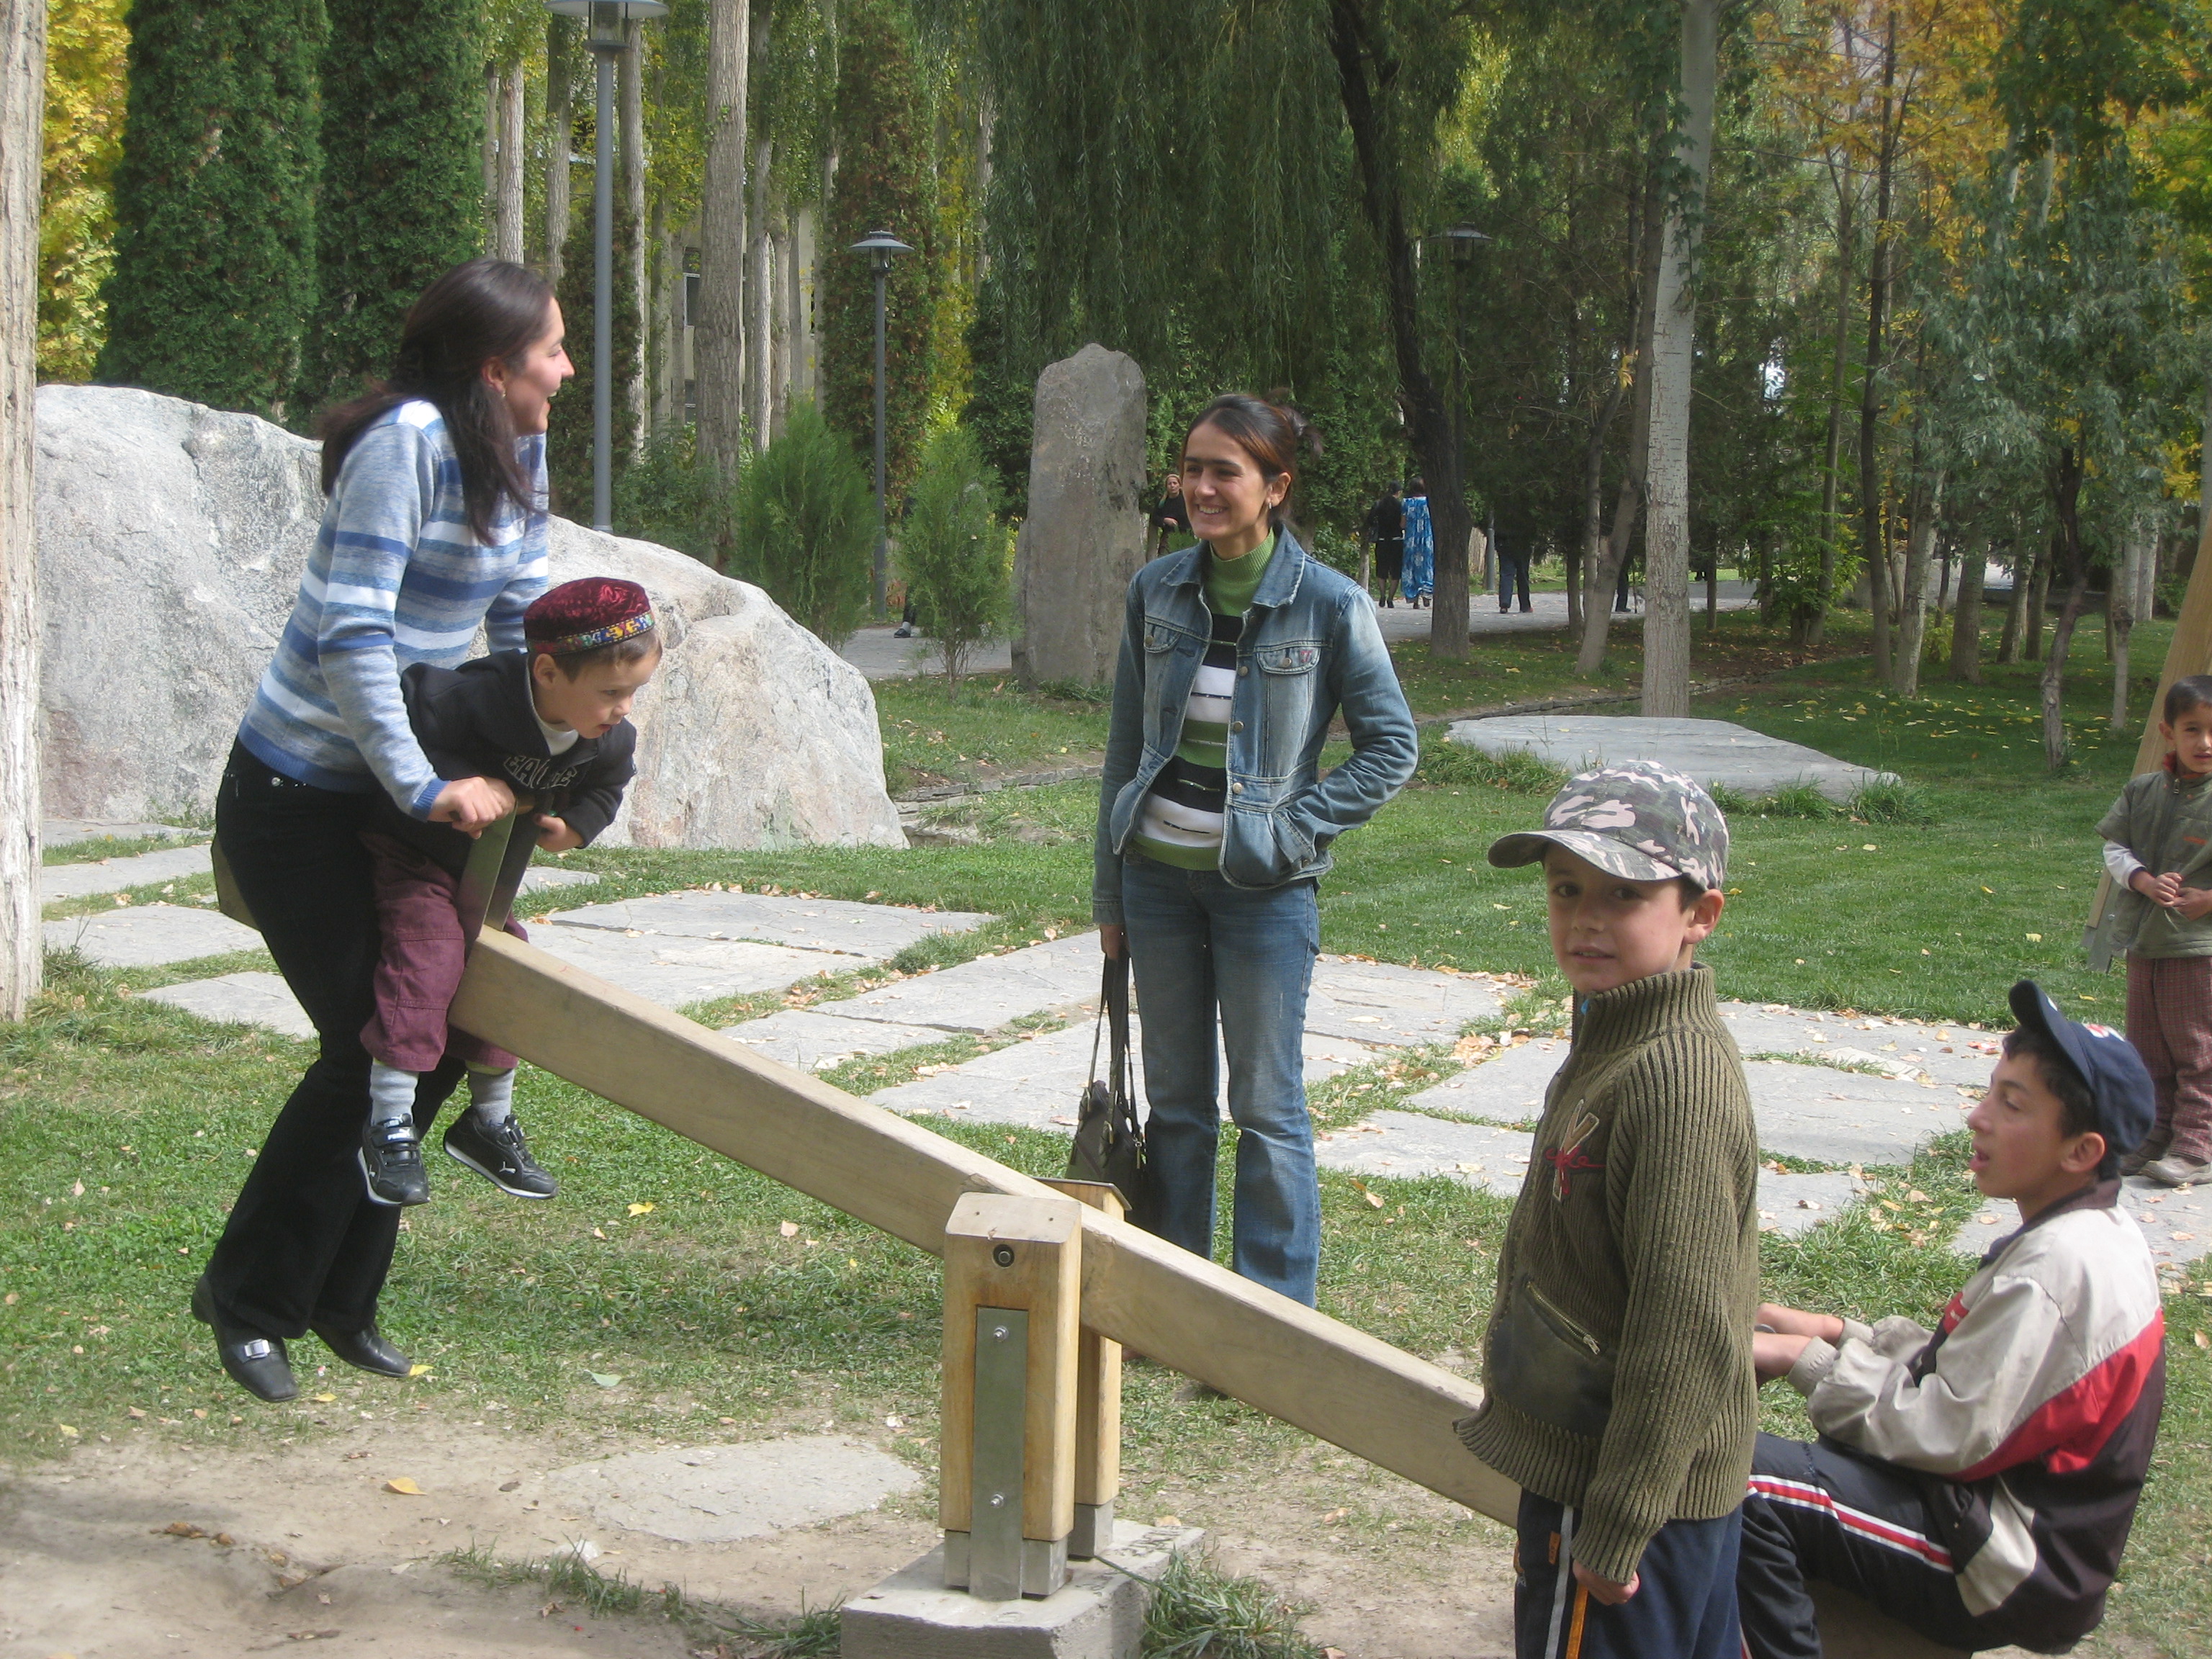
point(1618, 1385)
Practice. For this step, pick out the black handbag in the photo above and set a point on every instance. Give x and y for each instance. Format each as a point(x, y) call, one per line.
point(1109, 1143)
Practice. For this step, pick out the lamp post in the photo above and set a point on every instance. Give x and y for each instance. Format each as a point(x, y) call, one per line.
point(881, 247)
point(604, 33)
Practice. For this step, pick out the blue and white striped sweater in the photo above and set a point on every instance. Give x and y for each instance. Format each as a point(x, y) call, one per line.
point(396, 578)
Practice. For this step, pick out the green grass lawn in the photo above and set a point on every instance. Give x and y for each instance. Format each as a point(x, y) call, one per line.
point(128, 1126)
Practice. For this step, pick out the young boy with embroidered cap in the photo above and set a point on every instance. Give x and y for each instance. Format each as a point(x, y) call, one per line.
point(1976, 1482)
point(1616, 1370)
point(550, 721)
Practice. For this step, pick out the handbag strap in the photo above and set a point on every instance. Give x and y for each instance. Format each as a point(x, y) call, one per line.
point(1113, 1022)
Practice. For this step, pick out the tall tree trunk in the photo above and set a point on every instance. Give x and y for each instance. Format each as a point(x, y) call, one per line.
point(718, 334)
point(1912, 630)
point(760, 310)
point(2031, 639)
point(495, 84)
point(1674, 354)
point(667, 266)
point(1600, 581)
point(1839, 368)
point(1582, 559)
point(1364, 71)
point(2121, 613)
point(22, 116)
point(803, 287)
point(787, 341)
point(560, 138)
point(1966, 617)
point(2023, 579)
point(1872, 539)
point(2066, 562)
point(507, 217)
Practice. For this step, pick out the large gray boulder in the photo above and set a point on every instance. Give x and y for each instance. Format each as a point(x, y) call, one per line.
point(171, 539)
point(1084, 535)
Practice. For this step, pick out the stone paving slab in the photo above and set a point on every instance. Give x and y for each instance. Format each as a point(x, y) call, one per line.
point(242, 999)
point(1381, 1002)
point(1947, 1054)
point(2176, 1222)
point(67, 832)
point(68, 881)
point(815, 1041)
point(544, 877)
point(674, 972)
point(147, 935)
point(1803, 1111)
point(1405, 1146)
point(871, 932)
point(1711, 751)
point(718, 1494)
point(1038, 1080)
point(990, 992)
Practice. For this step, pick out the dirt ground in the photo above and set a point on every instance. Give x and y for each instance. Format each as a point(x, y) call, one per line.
point(302, 1543)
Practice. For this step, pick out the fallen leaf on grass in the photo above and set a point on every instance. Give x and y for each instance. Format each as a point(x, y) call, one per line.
point(641, 1209)
point(67, 1429)
point(404, 1485)
point(418, 1369)
point(2202, 1340)
point(1334, 1516)
point(1369, 1196)
point(788, 1228)
point(180, 1529)
point(309, 1635)
point(604, 1379)
point(134, 1414)
point(322, 1398)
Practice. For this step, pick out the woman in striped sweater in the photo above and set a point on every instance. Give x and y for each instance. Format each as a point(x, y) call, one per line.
point(1214, 827)
point(436, 525)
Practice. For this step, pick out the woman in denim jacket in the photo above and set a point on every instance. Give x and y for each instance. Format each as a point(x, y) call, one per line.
point(1214, 826)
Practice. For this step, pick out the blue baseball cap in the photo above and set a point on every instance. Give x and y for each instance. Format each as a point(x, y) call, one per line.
point(2120, 1091)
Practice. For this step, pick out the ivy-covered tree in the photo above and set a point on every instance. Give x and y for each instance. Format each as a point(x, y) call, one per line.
point(883, 183)
point(402, 191)
point(568, 437)
point(215, 202)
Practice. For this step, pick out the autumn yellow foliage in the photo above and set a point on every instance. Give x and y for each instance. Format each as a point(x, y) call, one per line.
point(86, 44)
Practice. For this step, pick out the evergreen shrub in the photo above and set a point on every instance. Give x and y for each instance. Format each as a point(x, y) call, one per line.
point(953, 551)
point(806, 526)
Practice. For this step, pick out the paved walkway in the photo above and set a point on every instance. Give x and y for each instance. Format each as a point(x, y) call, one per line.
point(1848, 1092)
point(880, 656)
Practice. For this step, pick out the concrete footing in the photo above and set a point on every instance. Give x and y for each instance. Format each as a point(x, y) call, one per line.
point(1098, 1614)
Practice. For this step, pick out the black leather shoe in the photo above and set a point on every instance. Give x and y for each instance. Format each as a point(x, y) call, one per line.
point(257, 1364)
point(365, 1350)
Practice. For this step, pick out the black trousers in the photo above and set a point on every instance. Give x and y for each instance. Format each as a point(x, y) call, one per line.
point(1684, 1608)
point(1511, 571)
point(304, 1244)
point(1389, 559)
point(1817, 1509)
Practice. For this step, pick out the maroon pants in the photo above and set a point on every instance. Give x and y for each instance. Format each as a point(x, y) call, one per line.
point(420, 967)
point(2170, 1023)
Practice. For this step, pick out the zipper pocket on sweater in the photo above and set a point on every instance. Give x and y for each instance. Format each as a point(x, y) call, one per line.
point(1562, 1326)
point(1548, 1366)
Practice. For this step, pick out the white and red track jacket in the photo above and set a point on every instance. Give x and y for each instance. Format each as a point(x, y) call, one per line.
point(2036, 1405)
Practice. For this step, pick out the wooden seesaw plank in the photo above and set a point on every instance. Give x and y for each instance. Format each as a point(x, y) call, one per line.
point(1323, 1376)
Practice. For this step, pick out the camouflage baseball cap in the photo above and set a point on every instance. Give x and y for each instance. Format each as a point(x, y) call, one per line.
point(1635, 819)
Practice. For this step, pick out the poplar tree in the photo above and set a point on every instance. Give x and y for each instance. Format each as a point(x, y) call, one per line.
point(883, 183)
point(569, 438)
point(402, 201)
point(215, 202)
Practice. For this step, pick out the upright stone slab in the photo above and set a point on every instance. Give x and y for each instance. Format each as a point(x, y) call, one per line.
point(1084, 535)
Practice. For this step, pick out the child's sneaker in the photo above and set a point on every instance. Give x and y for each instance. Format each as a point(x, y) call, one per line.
point(499, 1154)
point(391, 1163)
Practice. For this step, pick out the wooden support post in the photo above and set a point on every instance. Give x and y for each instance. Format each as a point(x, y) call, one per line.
point(1097, 1407)
point(1013, 1292)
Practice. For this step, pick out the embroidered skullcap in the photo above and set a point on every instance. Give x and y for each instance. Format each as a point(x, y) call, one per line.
point(587, 614)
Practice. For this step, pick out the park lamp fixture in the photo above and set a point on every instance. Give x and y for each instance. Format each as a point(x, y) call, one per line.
point(1463, 239)
point(881, 246)
point(603, 19)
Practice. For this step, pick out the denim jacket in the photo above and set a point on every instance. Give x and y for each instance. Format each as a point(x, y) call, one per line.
point(1310, 647)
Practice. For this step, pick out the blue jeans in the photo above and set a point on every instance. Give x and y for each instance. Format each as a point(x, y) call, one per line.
point(1684, 1608)
point(1198, 945)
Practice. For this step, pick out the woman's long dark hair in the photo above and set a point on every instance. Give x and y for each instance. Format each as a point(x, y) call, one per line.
point(1273, 434)
point(476, 311)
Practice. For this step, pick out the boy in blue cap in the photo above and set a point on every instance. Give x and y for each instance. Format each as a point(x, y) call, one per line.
point(1976, 1482)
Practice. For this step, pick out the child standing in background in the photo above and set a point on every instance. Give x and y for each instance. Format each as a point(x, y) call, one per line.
point(2158, 845)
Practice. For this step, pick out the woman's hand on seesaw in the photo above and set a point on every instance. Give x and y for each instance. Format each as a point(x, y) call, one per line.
point(554, 835)
point(472, 805)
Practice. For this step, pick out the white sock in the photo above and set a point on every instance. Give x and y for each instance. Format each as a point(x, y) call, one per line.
point(391, 1094)
point(491, 1096)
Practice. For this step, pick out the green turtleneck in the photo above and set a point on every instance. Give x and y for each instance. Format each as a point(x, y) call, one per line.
point(1231, 583)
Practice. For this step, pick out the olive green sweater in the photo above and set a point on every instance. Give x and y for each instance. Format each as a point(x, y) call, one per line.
point(1639, 1223)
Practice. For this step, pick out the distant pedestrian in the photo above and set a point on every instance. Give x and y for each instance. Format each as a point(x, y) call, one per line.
point(1420, 570)
point(1512, 571)
point(1170, 518)
point(2155, 847)
point(1385, 527)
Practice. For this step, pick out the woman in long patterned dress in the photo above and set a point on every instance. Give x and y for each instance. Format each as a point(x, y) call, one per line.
point(1420, 577)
